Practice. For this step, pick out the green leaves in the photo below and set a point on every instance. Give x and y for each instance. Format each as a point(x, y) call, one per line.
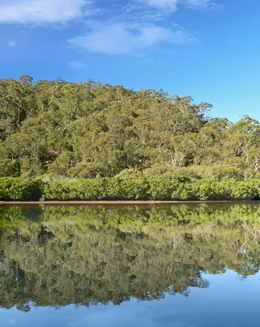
point(28, 188)
point(18, 189)
point(80, 130)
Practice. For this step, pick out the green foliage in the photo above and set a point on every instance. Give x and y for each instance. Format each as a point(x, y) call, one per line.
point(9, 167)
point(62, 131)
point(67, 130)
point(20, 189)
point(61, 166)
point(141, 188)
point(85, 170)
point(11, 189)
point(187, 174)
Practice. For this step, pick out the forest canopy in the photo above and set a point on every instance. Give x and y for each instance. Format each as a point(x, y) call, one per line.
point(59, 129)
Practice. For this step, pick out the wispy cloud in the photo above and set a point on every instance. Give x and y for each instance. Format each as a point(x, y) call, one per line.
point(161, 4)
point(43, 11)
point(77, 64)
point(61, 11)
point(11, 43)
point(202, 4)
point(127, 39)
point(172, 5)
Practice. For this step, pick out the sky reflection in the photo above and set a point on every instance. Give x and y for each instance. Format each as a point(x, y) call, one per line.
point(228, 301)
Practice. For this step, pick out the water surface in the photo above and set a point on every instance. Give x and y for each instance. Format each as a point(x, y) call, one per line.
point(142, 265)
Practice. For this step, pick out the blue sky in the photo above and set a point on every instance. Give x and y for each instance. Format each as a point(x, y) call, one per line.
point(206, 49)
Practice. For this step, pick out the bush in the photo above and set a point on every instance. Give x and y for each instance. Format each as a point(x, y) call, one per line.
point(15, 189)
point(140, 188)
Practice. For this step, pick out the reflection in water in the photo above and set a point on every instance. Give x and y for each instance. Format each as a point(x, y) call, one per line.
point(58, 255)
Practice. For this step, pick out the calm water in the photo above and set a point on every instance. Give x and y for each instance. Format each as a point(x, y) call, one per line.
point(161, 265)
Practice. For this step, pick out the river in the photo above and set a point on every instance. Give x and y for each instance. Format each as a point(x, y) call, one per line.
point(181, 265)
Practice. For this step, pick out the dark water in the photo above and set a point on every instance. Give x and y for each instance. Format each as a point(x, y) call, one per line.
point(161, 265)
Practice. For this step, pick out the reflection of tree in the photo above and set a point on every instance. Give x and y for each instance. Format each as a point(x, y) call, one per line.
point(107, 265)
point(66, 254)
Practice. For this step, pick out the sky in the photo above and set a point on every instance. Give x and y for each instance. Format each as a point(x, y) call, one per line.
point(206, 49)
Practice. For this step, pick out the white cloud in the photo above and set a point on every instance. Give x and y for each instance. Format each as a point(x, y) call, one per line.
point(42, 11)
point(124, 38)
point(203, 4)
point(171, 5)
point(11, 43)
point(77, 64)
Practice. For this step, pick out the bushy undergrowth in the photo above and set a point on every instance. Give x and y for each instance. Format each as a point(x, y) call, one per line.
point(19, 189)
point(126, 189)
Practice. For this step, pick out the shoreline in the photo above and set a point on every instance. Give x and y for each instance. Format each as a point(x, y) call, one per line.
point(126, 202)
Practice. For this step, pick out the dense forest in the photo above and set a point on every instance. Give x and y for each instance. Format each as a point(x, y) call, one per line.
point(63, 129)
point(58, 255)
point(59, 130)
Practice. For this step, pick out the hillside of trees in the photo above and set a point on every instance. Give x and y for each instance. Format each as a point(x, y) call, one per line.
point(60, 130)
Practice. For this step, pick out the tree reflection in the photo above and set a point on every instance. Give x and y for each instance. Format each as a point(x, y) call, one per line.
point(58, 255)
